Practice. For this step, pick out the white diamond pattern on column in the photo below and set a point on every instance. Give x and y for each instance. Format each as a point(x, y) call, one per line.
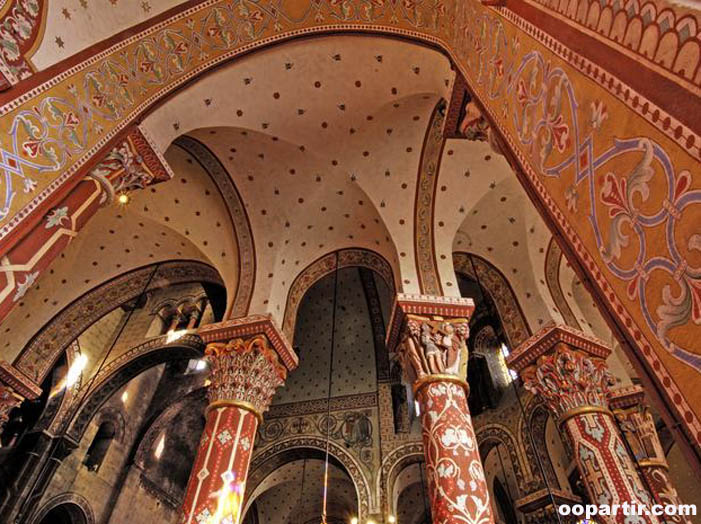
point(224, 437)
point(203, 516)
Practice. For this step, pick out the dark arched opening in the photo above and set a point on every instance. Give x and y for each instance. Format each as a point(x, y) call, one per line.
point(100, 445)
point(67, 513)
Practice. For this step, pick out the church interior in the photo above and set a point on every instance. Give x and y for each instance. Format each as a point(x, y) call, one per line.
point(349, 261)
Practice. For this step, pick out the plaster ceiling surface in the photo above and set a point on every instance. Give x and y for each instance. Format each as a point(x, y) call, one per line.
point(298, 211)
point(293, 493)
point(354, 370)
point(411, 474)
point(482, 209)
point(412, 506)
point(182, 219)
point(363, 124)
point(581, 302)
point(113, 242)
point(74, 25)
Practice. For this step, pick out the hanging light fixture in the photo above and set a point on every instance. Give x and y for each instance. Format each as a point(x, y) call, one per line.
point(328, 395)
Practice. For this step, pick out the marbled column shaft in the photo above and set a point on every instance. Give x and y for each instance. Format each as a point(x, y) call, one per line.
point(568, 370)
point(430, 335)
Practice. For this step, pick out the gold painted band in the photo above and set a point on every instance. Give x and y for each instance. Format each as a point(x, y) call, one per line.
point(430, 379)
point(230, 403)
point(653, 463)
point(583, 410)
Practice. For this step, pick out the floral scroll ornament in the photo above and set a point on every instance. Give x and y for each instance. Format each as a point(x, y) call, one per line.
point(627, 199)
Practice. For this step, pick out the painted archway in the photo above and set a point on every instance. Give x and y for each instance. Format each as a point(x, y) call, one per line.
point(652, 308)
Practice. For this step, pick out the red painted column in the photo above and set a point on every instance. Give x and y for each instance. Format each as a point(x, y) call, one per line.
point(249, 359)
point(635, 419)
point(430, 334)
point(568, 370)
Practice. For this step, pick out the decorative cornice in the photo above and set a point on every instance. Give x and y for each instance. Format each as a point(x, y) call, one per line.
point(18, 381)
point(250, 326)
point(545, 339)
point(543, 498)
point(426, 305)
point(310, 407)
point(626, 397)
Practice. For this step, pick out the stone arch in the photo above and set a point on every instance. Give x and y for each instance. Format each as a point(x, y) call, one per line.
point(326, 265)
point(630, 319)
point(283, 450)
point(491, 435)
point(392, 465)
point(553, 258)
point(117, 418)
point(39, 356)
point(119, 372)
point(239, 221)
point(495, 283)
point(154, 427)
point(532, 432)
point(76, 502)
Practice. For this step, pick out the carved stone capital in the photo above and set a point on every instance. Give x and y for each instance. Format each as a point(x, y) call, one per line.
point(566, 368)
point(15, 387)
point(131, 164)
point(637, 423)
point(429, 335)
point(9, 400)
point(249, 359)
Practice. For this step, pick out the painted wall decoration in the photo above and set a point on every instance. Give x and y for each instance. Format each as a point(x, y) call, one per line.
point(659, 32)
point(325, 266)
point(38, 357)
point(354, 469)
point(553, 258)
point(610, 167)
point(239, 219)
point(132, 164)
point(512, 318)
point(429, 167)
point(21, 22)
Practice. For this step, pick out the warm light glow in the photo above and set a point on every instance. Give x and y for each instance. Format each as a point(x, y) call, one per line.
point(125, 397)
point(207, 383)
point(73, 374)
point(123, 199)
point(391, 519)
point(172, 336)
point(160, 447)
point(510, 373)
point(371, 522)
point(229, 501)
point(354, 520)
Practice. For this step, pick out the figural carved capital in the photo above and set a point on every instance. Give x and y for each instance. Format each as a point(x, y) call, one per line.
point(249, 359)
point(566, 368)
point(429, 335)
point(636, 421)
